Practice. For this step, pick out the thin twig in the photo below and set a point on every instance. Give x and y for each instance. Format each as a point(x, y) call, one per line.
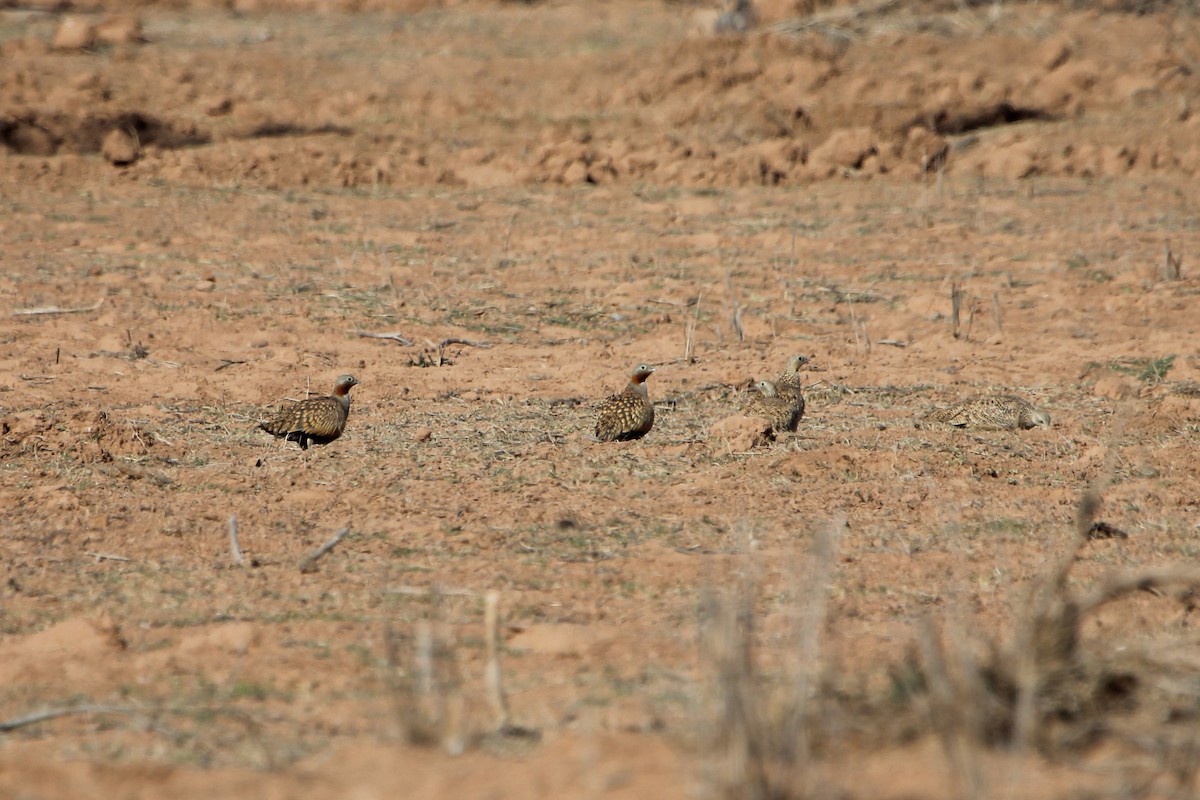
point(108, 557)
point(822, 560)
point(395, 337)
point(1121, 584)
point(735, 308)
point(29, 312)
point(423, 591)
point(893, 342)
point(235, 549)
point(1174, 264)
point(229, 362)
point(309, 562)
point(468, 342)
point(851, 294)
point(956, 297)
point(689, 344)
point(47, 714)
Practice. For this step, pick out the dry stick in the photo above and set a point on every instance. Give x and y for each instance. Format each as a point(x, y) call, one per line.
point(1121, 584)
point(395, 337)
point(858, 348)
point(468, 342)
point(955, 302)
point(234, 548)
point(735, 314)
point(425, 591)
point(494, 676)
point(851, 294)
point(28, 312)
point(822, 559)
point(229, 362)
point(1174, 265)
point(996, 312)
point(689, 343)
point(34, 717)
point(944, 702)
point(108, 557)
point(971, 317)
point(1044, 604)
point(309, 562)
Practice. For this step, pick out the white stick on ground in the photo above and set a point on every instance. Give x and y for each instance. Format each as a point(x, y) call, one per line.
point(309, 562)
point(29, 312)
point(234, 548)
point(494, 676)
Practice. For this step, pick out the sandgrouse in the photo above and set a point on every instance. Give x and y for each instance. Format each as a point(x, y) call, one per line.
point(630, 414)
point(781, 413)
point(789, 385)
point(317, 420)
point(990, 412)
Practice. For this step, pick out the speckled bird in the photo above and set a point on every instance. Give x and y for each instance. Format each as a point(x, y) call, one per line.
point(781, 413)
point(317, 420)
point(790, 387)
point(629, 414)
point(990, 412)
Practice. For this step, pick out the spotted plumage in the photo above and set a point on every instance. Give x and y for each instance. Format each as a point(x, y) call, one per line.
point(790, 386)
point(629, 414)
point(990, 412)
point(317, 420)
point(781, 413)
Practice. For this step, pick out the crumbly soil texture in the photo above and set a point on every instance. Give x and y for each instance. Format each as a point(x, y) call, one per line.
point(489, 212)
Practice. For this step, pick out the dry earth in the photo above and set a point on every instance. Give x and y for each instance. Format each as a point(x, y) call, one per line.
point(202, 207)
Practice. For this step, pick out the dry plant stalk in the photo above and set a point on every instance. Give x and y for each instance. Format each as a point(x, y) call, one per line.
point(761, 745)
point(813, 613)
point(309, 562)
point(42, 310)
point(689, 342)
point(735, 308)
point(394, 336)
point(956, 297)
point(426, 685)
point(862, 340)
point(495, 677)
point(235, 549)
point(949, 707)
point(1174, 265)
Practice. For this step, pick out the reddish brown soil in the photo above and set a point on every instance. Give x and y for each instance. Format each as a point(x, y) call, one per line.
point(563, 191)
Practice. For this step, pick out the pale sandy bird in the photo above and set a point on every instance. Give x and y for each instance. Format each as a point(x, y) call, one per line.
point(317, 420)
point(629, 414)
point(990, 412)
point(790, 386)
point(781, 413)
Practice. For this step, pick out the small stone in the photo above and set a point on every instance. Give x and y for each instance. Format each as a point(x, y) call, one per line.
point(74, 33)
point(120, 148)
point(422, 435)
point(120, 29)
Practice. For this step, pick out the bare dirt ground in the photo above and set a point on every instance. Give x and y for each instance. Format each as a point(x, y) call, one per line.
point(203, 208)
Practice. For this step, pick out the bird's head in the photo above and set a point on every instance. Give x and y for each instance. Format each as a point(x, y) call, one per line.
point(796, 362)
point(641, 372)
point(343, 384)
